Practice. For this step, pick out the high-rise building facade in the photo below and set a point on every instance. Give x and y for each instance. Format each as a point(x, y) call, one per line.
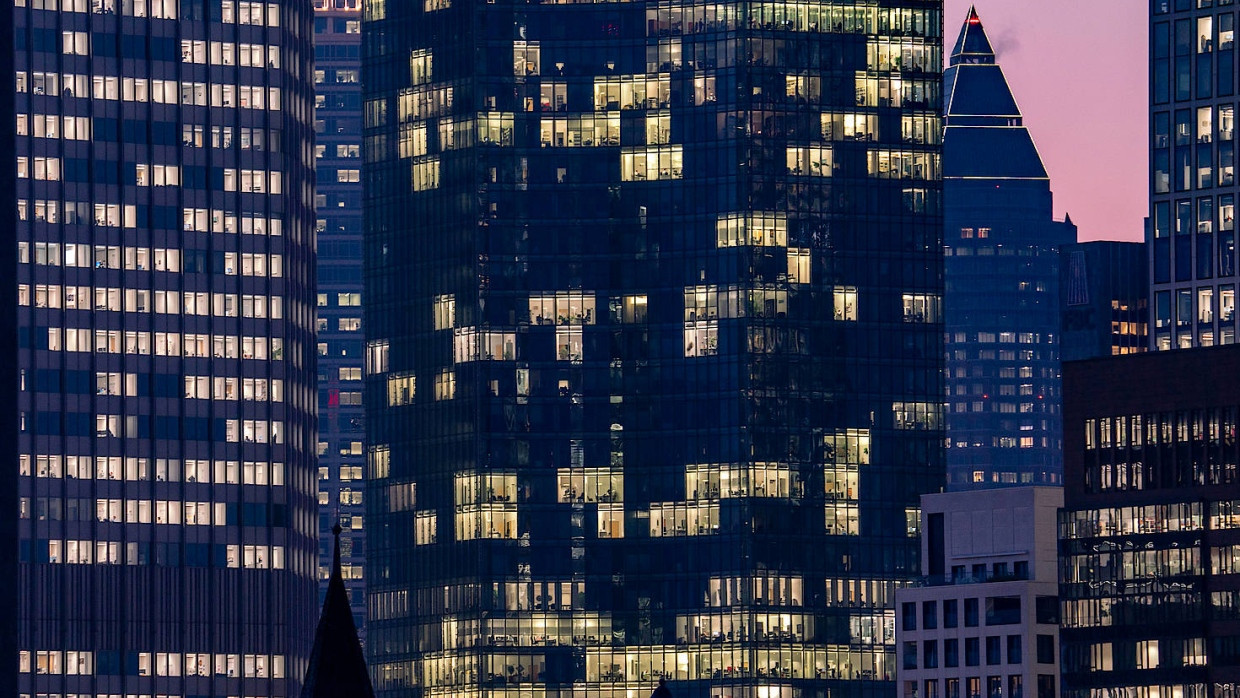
point(338, 204)
point(1103, 300)
point(166, 347)
point(1002, 275)
point(1149, 537)
point(653, 346)
point(8, 379)
point(1191, 234)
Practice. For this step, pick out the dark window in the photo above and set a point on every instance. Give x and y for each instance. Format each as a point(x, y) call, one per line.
point(950, 607)
point(1013, 649)
point(1183, 258)
point(1046, 686)
point(1226, 63)
point(929, 615)
point(908, 616)
point(1016, 686)
point(1002, 610)
point(1046, 610)
point(1046, 653)
point(951, 653)
point(1182, 84)
point(1205, 256)
point(934, 544)
point(1205, 79)
point(994, 687)
point(970, 613)
point(972, 651)
point(930, 654)
point(1162, 261)
point(910, 655)
point(1021, 569)
point(994, 651)
point(1162, 86)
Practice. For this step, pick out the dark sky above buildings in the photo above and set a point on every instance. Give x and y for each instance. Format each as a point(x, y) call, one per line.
point(1079, 72)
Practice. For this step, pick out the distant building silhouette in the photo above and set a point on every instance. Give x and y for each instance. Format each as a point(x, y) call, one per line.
point(1104, 302)
point(337, 667)
point(1001, 270)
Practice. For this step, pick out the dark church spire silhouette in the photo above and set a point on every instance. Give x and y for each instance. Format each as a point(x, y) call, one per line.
point(337, 666)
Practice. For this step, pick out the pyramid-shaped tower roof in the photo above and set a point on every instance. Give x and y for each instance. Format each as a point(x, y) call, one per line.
point(973, 41)
point(984, 134)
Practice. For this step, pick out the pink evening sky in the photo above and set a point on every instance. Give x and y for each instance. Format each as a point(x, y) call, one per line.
point(1079, 71)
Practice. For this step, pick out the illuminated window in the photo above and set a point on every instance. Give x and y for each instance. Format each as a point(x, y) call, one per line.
point(702, 338)
point(895, 164)
point(525, 58)
point(426, 174)
point(798, 265)
point(611, 521)
point(651, 163)
point(563, 308)
point(401, 388)
point(815, 161)
point(425, 528)
point(495, 128)
point(590, 485)
point(845, 303)
point(445, 311)
point(470, 344)
point(568, 343)
point(681, 519)
point(842, 519)
point(584, 130)
point(486, 506)
point(917, 415)
point(922, 307)
point(759, 229)
point(445, 384)
point(629, 309)
point(377, 352)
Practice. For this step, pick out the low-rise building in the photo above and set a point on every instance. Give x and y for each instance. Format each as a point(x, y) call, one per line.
point(984, 621)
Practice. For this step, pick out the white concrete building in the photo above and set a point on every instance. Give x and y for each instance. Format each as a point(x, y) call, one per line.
point(984, 623)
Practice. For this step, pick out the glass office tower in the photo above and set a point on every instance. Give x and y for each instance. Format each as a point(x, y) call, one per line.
point(338, 204)
point(165, 328)
point(653, 343)
point(1002, 277)
point(1191, 233)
